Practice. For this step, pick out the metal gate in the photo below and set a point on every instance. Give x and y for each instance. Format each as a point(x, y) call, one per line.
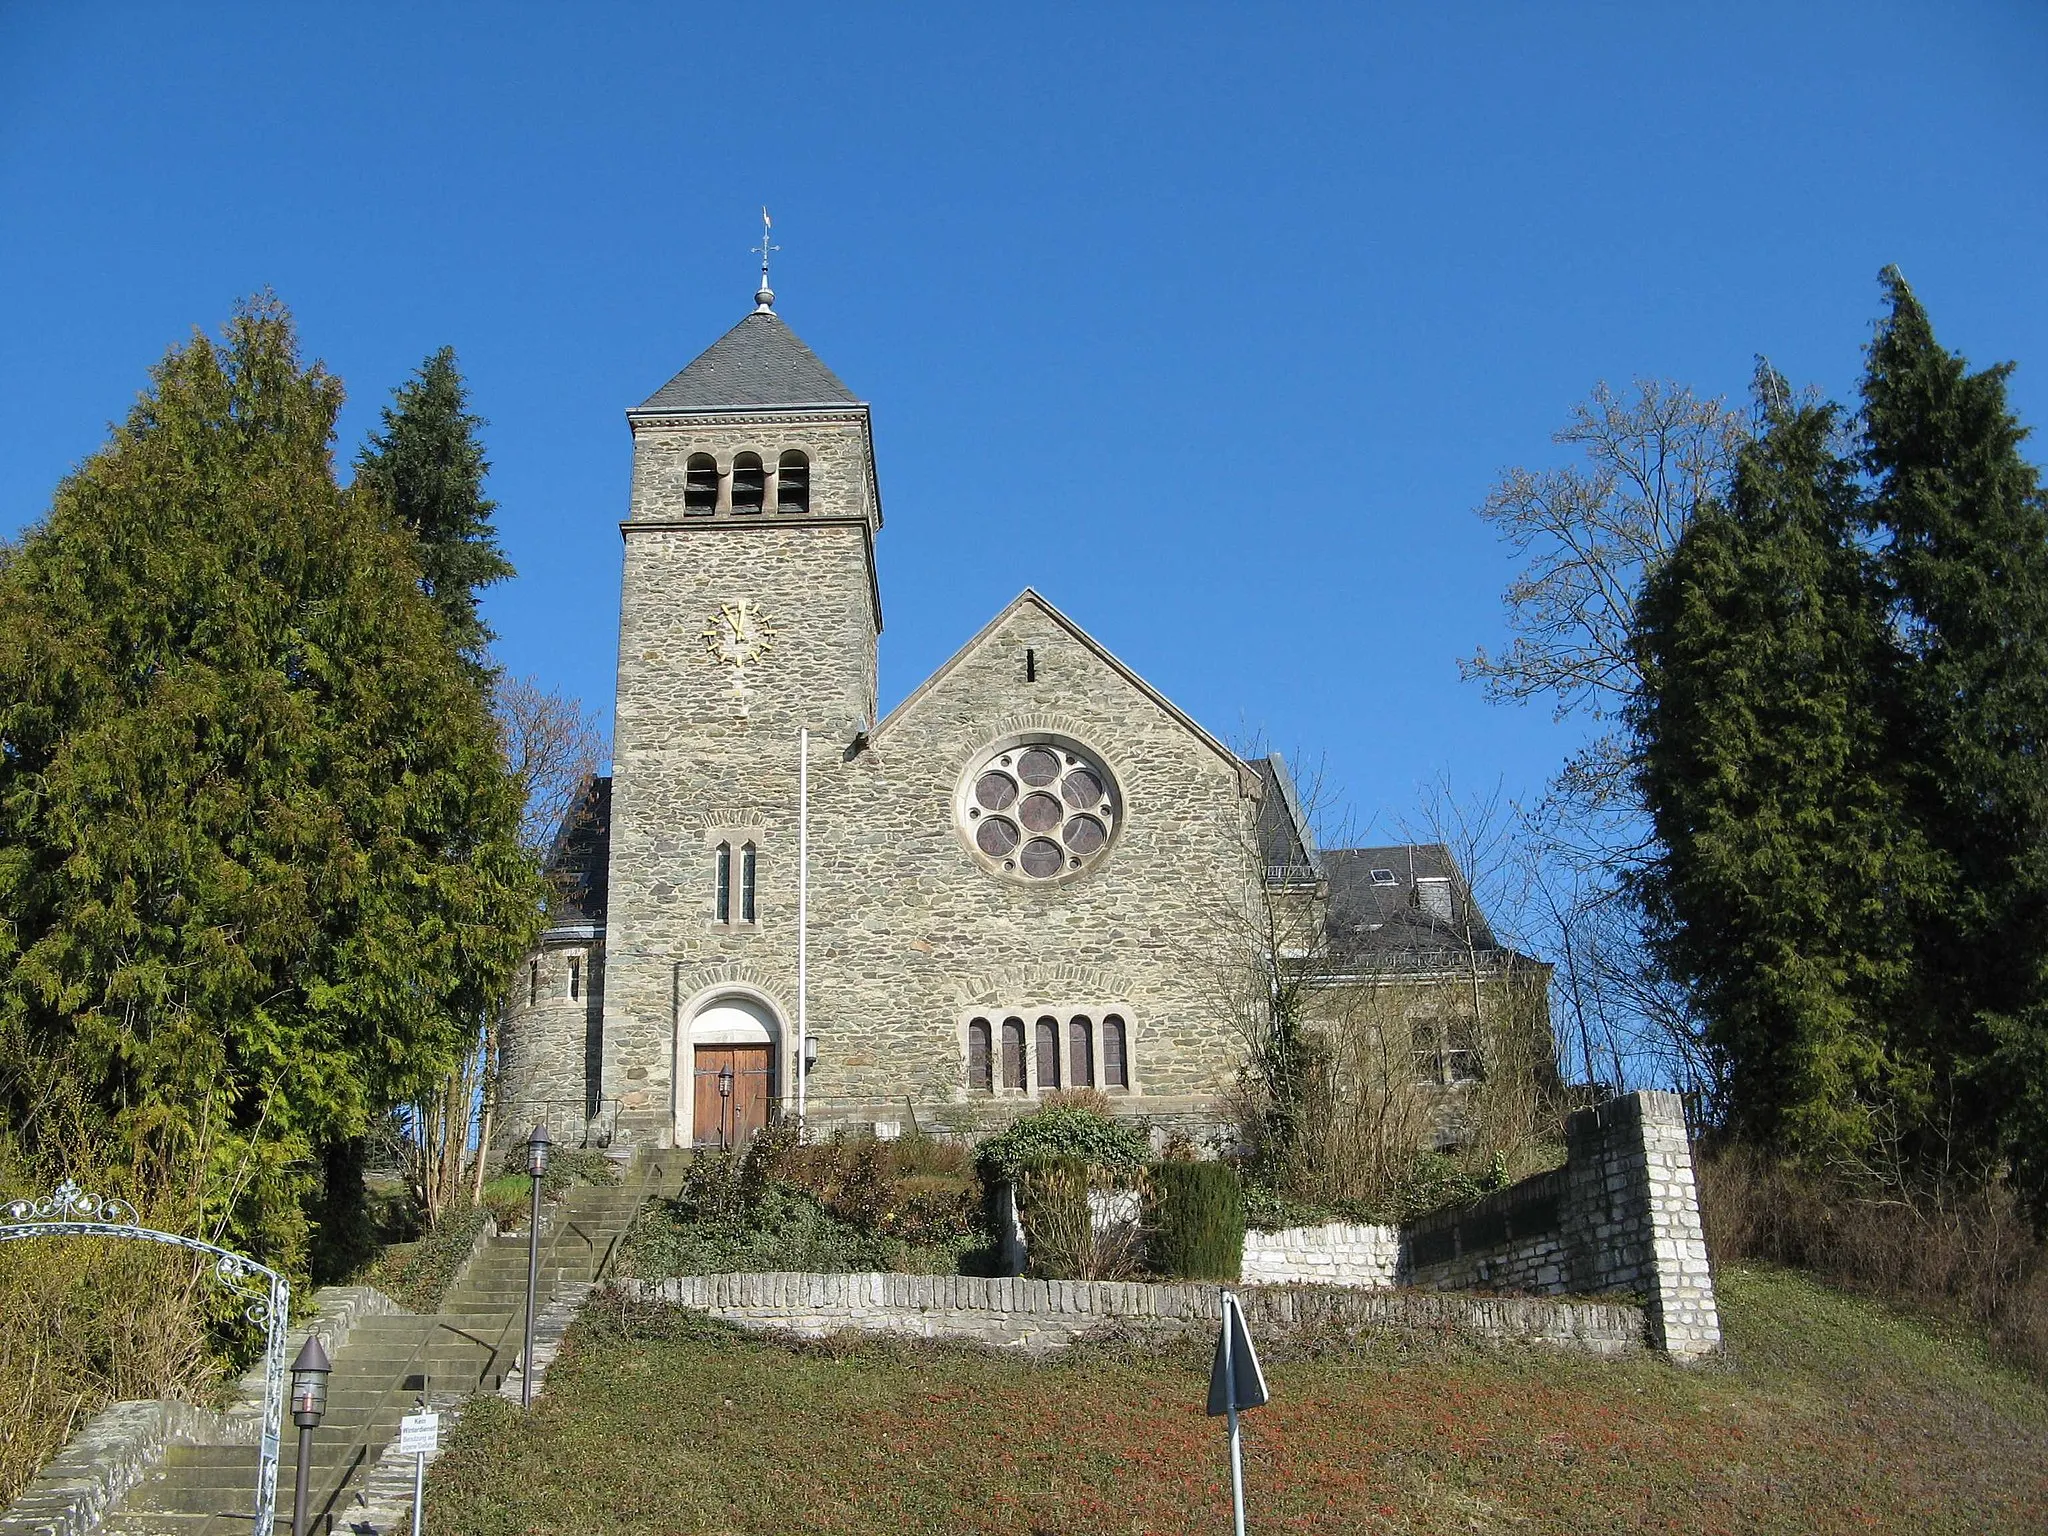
point(70, 1212)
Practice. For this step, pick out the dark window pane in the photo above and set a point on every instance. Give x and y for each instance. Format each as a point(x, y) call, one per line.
point(1082, 789)
point(1081, 1062)
point(1039, 813)
point(747, 883)
point(1040, 858)
point(1116, 1072)
point(1085, 834)
point(995, 836)
point(980, 1066)
point(994, 791)
point(749, 483)
point(1048, 1053)
point(1038, 766)
point(793, 483)
point(725, 882)
point(1013, 1053)
point(700, 484)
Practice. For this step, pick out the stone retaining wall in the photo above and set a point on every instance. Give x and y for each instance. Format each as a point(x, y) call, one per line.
point(1337, 1254)
point(1621, 1217)
point(1039, 1315)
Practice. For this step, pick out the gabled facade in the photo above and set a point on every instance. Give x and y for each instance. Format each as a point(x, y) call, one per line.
point(1014, 879)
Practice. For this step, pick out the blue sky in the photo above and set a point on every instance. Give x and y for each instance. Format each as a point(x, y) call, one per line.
point(1213, 323)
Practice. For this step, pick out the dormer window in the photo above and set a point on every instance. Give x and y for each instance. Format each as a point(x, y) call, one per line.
point(793, 483)
point(749, 483)
point(700, 484)
point(1384, 877)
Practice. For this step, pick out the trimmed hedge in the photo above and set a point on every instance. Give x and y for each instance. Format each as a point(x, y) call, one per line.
point(1197, 1221)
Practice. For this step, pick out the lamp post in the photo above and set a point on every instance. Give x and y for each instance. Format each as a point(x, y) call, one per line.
point(725, 1107)
point(536, 1166)
point(309, 1404)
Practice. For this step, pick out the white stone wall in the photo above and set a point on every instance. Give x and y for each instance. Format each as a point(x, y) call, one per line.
point(1036, 1315)
point(1337, 1254)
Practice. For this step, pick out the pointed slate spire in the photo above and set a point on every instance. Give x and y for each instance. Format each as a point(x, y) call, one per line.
point(759, 362)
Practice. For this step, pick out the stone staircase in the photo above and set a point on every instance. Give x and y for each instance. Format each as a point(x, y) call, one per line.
point(386, 1366)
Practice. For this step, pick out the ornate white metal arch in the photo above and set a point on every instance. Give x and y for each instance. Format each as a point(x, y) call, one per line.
point(69, 1211)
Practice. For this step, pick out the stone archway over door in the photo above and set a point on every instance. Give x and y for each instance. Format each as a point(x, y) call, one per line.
point(732, 1043)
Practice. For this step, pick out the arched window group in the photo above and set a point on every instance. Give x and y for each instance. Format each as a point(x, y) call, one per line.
point(725, 877)
point(1049, 1054)
point(744, 487)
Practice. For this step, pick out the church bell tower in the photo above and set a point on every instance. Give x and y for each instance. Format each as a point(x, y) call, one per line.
point(750, 612)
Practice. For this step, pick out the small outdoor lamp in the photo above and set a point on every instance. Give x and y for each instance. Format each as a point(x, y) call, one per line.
point(537, 1166)
point(725, 1082)
point(309, 1404)
point(810, 1054)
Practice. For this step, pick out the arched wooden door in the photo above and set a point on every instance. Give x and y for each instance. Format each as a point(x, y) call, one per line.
point(732, 1072)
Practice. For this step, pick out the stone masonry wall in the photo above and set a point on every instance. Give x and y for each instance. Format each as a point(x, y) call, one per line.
point(1337, 1254)
point(1620, 1218)
point(1038, 1315)
point(550, 1043)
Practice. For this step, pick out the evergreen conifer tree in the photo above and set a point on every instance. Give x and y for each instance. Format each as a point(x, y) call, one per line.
point(428, 467)
point(1962, 527)
point(1781, 845)
point(259, 855)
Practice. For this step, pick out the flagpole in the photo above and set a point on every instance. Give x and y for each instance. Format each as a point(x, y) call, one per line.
point(803, 916)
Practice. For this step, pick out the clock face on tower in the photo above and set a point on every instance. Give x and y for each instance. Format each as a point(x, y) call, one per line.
point(737, 638)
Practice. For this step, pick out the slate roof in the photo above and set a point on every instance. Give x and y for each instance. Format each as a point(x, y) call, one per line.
point(759, 362)
point(579, 860)
point(1287, 845)
point(1377, 920)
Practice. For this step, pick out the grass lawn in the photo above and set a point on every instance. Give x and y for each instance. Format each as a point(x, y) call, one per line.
point(1830, 1415)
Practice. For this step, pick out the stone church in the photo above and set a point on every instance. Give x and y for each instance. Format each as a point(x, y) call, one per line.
point(1010, 884)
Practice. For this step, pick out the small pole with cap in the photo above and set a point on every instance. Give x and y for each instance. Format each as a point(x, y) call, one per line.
point(764, 296)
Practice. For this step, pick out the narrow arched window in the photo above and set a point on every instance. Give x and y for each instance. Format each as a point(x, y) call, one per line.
point(749, 483)
point(723, 901)
point(700, 483)
point(747, 883)
point(980, 1061)
point(1048, 1053)
point(532, 982)
point(575, 978)
point(793, 483)
point(1080, 1052)
point(1116, 1066)
point(1013, 1054)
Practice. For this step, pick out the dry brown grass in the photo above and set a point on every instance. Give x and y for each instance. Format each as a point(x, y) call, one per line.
point(1965, 1253)
point(85, 1322)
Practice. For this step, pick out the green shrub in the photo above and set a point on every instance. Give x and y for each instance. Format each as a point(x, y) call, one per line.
point(1197, 1221)
point(1061, 1131)
point(1052, 1203)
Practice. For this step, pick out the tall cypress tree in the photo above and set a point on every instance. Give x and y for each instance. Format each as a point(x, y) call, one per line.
point(428, 466)
point(259, 856)
point(1763, 769)
point(1963, 529)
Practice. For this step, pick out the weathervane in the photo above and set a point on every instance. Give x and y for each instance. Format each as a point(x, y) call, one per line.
point(764, 297)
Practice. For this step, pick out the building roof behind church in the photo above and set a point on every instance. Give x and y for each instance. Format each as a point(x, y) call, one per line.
point(579, 861)
point(1287, 845)
point(1408, 899)
point(758, 363)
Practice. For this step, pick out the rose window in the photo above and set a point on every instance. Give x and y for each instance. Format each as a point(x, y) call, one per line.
point(1038, 811)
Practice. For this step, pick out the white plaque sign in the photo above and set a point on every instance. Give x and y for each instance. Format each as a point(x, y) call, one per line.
point(419, 1434)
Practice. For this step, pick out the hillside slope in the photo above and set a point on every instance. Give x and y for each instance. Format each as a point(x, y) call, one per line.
point(1829, 1415)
